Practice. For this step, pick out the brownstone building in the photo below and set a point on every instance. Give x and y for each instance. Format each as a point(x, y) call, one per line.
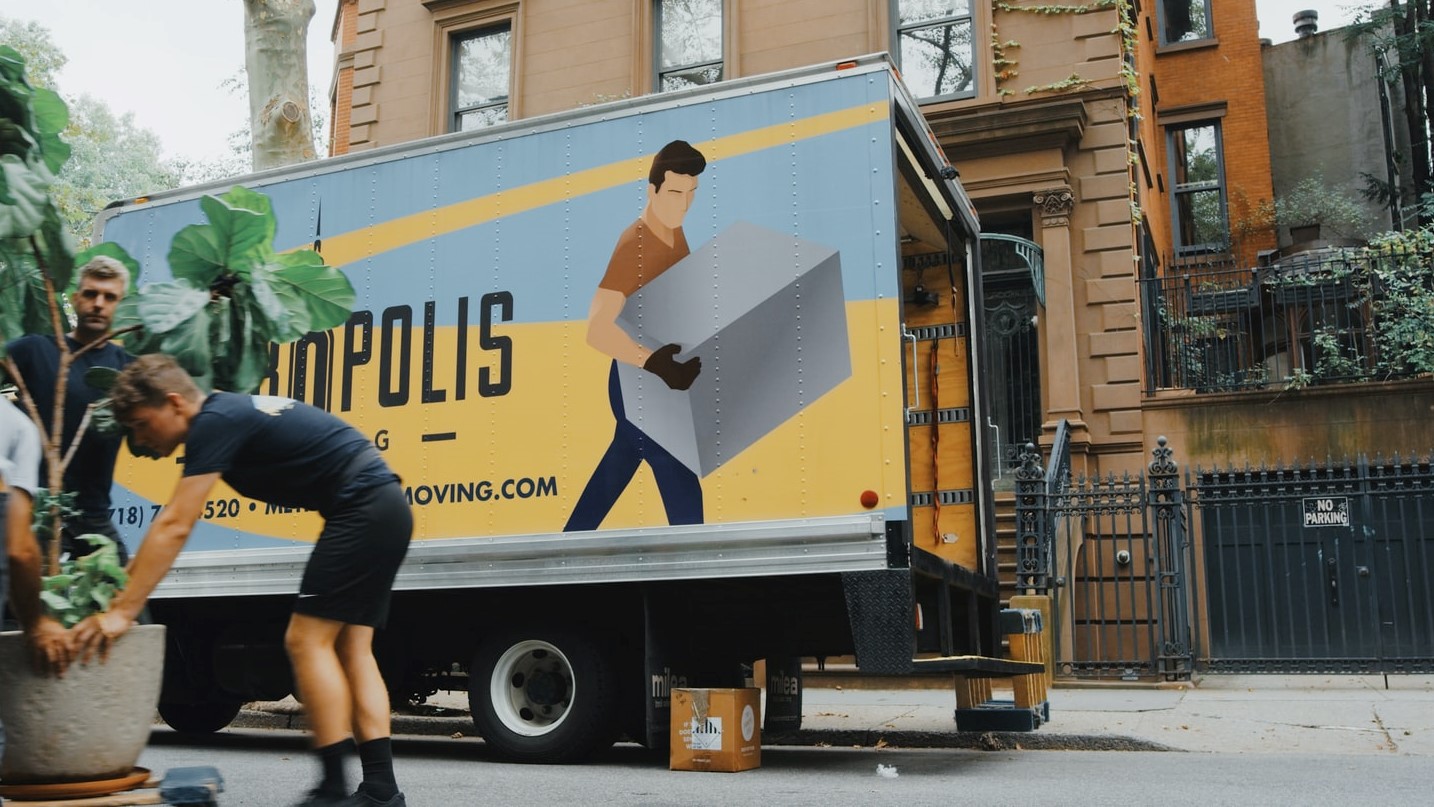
point(1080, 129)
point(1110, 148)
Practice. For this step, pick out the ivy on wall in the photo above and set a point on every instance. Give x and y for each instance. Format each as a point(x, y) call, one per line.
point(1004, 68)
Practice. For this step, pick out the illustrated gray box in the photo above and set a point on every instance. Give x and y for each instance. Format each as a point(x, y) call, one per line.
point(765, 312)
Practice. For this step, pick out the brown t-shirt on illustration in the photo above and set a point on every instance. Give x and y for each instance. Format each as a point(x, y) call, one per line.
point(639, 257)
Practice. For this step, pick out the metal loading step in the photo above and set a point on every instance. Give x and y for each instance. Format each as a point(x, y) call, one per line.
point(977, 709)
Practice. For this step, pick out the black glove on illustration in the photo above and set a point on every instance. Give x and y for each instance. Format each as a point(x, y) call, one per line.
point(677, 375)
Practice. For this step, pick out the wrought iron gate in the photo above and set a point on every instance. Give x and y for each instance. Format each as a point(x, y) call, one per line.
point(1115, 565)
point(1304, 569)
point(1319, 569)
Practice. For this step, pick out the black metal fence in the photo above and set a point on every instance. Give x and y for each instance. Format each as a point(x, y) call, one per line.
point(1322, 316)
point(1318, 568)
point(1297, 569)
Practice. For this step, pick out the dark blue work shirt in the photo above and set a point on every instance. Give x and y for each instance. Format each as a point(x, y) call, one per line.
point(91, 472)
point(282, 451)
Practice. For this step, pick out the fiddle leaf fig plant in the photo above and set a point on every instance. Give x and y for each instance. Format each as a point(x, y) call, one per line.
point(230, 297)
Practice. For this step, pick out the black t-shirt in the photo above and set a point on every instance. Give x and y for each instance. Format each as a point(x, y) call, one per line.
point(281, 451)
point(91, 472)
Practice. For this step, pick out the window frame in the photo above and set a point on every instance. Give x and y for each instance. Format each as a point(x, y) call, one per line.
point(1162, 42)
point(454, 18)
point(969, 17)
point(1177, 189)
point(657, 72)
point(454, 115)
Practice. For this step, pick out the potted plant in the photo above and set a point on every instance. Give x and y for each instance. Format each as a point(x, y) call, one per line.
point(92, 724)
point(1313, 210)
point(231, 296)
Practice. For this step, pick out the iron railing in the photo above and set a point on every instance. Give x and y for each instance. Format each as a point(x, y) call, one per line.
point(1305, 568)
point(1318, 568)
point(1037, 492)
point(1323, 316)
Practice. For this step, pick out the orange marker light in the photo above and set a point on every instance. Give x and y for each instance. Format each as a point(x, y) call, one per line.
point(869, 499)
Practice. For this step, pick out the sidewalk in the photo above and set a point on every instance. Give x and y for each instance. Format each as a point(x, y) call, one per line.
point(1262, 714)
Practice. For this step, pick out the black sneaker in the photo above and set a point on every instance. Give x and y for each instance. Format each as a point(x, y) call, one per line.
point(363, 799)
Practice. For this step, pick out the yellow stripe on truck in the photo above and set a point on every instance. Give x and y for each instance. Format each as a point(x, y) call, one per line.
point(495, 478)
point(347, 248)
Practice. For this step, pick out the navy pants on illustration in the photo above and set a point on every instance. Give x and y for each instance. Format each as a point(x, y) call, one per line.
point(680, 488)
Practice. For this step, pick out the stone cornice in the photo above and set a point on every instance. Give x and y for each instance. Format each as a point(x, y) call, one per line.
point(990, 131)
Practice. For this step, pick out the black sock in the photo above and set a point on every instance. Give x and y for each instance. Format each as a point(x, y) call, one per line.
point(377, 759)
point(332, 757)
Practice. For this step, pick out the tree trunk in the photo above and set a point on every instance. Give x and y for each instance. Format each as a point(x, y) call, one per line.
point(275, 57)
point(1426, 87)
point(1406, 31)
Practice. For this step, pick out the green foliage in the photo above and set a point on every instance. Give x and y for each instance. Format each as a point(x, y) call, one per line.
point(1312, 200)
point(1402, 272)
point(1070, 83)
point(111, 157)
point(48, 503)
point(1335, 358)
point(232, 295)
point(84, 585)
point(33, 241)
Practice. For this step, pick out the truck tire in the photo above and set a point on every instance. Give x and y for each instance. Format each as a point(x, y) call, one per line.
point(543, 696)
point(203, 717)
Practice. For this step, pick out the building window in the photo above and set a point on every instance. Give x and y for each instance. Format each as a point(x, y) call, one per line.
point(1197, 188)
point(934, 47)
point(689, 43)
point(1184, 21)
point(482, 68)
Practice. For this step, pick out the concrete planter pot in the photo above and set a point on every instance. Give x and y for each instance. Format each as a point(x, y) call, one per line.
point(92, 724)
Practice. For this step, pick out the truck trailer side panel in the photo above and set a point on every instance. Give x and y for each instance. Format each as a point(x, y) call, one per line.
point(811, 490)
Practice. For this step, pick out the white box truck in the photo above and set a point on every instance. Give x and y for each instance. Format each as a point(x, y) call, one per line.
point(773, 459)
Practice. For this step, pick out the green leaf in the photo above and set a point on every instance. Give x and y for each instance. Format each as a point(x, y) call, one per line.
point(110, 249)
point(163, 307)
point(197, 254)
point(57, 249)
point(56, 604)
point(50, 119)
point(188, 343)
point(253, 365)
point(241, 198)
point(58, 582)
point(29, 190)
point(276, 318)
point(24, 306)
point(243, 227)
point(302, 278)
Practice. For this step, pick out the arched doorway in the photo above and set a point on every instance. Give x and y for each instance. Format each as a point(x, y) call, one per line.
point(1013, 293)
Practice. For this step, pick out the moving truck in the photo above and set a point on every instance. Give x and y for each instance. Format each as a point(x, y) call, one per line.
point(654, 425)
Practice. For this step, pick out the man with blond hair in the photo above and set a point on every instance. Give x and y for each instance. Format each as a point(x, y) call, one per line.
point(290, 454)
point(90, 473)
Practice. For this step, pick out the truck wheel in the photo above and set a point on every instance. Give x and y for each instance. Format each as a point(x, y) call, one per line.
point(543, 696)
point(204, 717)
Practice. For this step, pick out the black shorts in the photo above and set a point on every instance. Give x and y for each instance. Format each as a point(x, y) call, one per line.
point(350, 574)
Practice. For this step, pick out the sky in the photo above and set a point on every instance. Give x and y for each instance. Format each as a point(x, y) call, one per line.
point(166, 60)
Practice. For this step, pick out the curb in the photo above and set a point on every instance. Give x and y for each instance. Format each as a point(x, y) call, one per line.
point(461, 726)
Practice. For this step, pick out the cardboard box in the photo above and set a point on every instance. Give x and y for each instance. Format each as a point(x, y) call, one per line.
point(716, 729)
point(766, 313)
